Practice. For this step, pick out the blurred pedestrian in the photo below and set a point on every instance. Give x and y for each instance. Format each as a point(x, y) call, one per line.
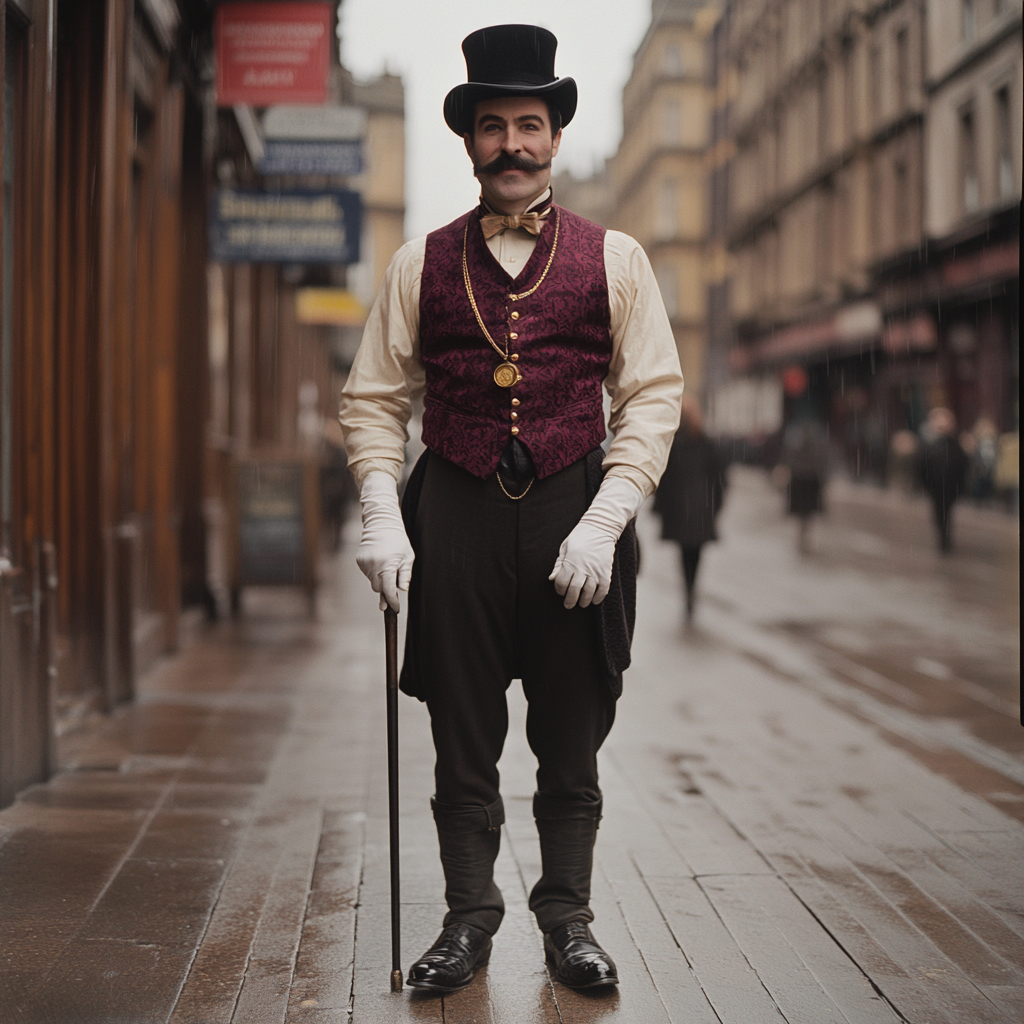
point(981, 445)
point(805, 456)
point(516, 536)
point(689, 496)
point(944, 466)
point(902, 469)
point(1006, 476)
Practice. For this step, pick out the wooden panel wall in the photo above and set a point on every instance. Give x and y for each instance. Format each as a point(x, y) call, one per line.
point(193, 363)
point(25, 594)
point(79, 534)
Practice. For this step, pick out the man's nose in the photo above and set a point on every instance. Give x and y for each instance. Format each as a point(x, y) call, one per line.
point(513, 142)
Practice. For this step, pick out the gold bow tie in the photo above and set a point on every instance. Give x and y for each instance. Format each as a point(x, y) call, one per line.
point(495, 223)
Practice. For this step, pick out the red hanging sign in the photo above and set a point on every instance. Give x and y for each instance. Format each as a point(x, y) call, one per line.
point(272, 53)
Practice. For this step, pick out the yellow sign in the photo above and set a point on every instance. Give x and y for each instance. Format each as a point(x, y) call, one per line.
point(335, 306)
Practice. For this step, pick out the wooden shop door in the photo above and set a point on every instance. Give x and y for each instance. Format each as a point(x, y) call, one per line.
point(157, 105)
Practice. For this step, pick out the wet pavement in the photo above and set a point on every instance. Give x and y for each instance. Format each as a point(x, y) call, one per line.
point(813, 806)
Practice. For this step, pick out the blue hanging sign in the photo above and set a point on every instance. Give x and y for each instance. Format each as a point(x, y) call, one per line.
point(305, 156)
point(285, 227)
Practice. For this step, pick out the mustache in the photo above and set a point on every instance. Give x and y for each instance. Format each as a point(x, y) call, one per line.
point(510, 162)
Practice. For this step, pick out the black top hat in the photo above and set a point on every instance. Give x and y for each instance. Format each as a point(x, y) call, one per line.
point(508, 60)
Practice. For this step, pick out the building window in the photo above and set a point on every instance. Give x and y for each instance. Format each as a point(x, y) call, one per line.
point(902, 69)
point(668, 282)
point(1007, 184)
point(826, 231)
point(969, 21)
point(840, 250)
point(670, 122)
point(970, 191)
point(824, 117)
point(875, 84)
point(667, 210)
point(901, 202)
point(849, 95)
point(673, 60)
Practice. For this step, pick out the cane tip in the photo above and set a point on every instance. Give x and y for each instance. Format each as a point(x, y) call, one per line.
point(396, 981)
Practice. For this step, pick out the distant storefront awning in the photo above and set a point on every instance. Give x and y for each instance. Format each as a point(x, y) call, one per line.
point(993, 263)
point(336, 307)
point(961, 277)
point(906, 337)
point(852, 327)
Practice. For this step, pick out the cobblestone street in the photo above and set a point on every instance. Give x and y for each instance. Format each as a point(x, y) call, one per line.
point(814, 799)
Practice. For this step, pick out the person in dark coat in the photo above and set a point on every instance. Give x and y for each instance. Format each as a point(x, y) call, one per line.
point(805, 455)
point(690, 494)
point(944, 466)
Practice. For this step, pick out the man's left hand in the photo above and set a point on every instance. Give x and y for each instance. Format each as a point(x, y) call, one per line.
point(583, 569)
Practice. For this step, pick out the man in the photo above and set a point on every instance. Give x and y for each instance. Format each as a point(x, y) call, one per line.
point(805, 455)
point(943, 471)
point(507, 322)
point(689, 497)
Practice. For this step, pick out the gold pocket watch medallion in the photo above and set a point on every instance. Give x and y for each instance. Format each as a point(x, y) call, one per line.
point(506, 375)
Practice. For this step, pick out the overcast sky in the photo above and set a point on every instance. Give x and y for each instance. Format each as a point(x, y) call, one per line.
point(422, 42)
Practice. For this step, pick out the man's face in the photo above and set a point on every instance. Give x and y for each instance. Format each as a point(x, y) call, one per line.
point(511, 149)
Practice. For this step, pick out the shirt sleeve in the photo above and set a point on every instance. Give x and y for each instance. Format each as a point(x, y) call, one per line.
point(387, 374)
point(644, 379)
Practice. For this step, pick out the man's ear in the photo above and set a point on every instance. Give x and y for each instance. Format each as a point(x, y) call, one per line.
point(555, 143)
point(468, 141)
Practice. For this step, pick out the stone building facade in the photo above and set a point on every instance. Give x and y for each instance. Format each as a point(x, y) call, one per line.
point(656, 180)
point(873, 155)
point(825, 182)
point(969, 282)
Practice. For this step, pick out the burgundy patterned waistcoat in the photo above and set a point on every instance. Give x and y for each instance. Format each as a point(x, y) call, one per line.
point(564, 346)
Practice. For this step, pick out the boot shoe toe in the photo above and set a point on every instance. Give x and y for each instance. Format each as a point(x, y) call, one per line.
point(578, 961)
point(452, 960)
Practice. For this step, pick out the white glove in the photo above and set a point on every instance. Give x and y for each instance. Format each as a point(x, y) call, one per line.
point(385, 555)
point(583, 569)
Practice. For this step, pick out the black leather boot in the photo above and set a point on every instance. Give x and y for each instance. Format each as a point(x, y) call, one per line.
point(567, 834)
point(452, 960)
point(469, 839)
point(576, 958)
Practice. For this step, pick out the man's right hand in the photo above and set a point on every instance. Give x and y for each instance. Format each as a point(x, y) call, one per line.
point(385, 555)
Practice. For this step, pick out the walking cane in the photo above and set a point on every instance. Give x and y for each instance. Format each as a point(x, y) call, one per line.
point(391, 643)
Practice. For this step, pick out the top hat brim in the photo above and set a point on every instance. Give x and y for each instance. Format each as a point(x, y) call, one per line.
point(460, 103)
